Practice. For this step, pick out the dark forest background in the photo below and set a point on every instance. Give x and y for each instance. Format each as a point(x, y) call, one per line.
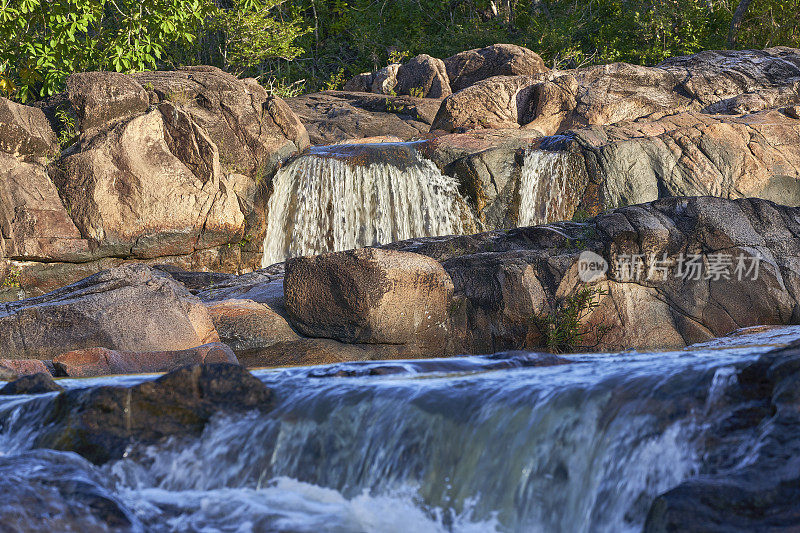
point(295, 46)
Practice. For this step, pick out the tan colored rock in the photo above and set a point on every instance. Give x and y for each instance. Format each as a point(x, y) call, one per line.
point(369, 296)
point(245, 325)
point(469, 67)
point(24, 131)
point(152, 186)
point(424, 74)
point(34, 225)
point(14, 368)
point(552, 105)
point(234, 113)
point(385, 80)
point(100, 98)
point(283, 117)
point(92, 362)
point(498, 102)
point(129, 308)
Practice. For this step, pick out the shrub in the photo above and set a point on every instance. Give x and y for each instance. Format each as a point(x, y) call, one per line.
point(562, 330)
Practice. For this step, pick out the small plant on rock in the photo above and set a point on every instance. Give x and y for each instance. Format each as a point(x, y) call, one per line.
point(417, 92)
point(562, 331)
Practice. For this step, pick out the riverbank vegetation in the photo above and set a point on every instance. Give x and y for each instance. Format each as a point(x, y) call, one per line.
point(306, 45)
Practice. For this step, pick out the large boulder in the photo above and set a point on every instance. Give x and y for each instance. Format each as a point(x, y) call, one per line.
point(151, 186)
point(469, 67)
point(130, 308)
point(39, 383)
point(424, 75)
point(236, 114)
point(92, 362)
point(25, 131)
point(649, 298)
point(101, 98)
point(370, 296)
point(498, 102)
point(100, 423)
point(14, 368)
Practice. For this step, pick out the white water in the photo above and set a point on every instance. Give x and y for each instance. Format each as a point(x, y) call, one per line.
point(543, 187)
point(441, 446)
point(325, 204)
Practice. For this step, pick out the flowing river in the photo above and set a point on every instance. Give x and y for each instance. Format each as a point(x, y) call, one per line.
point(462, 444)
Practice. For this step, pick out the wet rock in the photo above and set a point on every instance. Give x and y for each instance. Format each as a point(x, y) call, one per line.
point(129, 308)
point(369, 296)
point(424, 75)
point(25, 131)
point(93, 362)
point(100, 423)
point(469, 67)
point(99, 98)
point(758, 417)
point(44, 490)
point(793, 111)
point(34, 384)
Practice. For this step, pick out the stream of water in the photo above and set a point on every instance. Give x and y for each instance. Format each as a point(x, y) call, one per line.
point(436, 445)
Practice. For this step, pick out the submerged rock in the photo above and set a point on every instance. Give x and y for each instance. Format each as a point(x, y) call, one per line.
point(100, 423)
point(44, 490)
point(759, 492)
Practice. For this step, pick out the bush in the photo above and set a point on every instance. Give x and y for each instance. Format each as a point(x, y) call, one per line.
point(562, 330)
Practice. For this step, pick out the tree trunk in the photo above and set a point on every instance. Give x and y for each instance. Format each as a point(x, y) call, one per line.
point(736, 21)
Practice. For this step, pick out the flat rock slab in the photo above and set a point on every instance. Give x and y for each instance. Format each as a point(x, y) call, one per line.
point(130, 308)
point(94, 362)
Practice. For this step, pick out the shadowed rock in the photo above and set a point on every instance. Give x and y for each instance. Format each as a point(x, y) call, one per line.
point(101, 422)
point(35, 384)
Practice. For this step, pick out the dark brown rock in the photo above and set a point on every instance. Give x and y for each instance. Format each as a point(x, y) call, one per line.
point(40, 383)
point(14, 368)
point(469, 67)
point(100, 423)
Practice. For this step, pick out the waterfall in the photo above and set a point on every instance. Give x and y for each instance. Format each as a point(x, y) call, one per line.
point(543, 189)
point(345, 197)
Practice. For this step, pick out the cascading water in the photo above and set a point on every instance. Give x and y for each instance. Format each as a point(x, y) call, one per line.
point(437, 445)
point(349, 196)
point(543, 189)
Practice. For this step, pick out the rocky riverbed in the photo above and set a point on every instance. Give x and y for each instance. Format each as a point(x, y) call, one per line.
point(412, 249)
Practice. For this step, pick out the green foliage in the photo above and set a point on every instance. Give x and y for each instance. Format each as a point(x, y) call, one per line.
point(252, 35)
point(11, 279)
point(336, 81)
point(562, 330)
point(416, 92)
point(68, 130)
point(44, 41)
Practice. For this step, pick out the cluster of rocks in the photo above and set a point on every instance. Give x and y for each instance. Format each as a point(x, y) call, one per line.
point(175, 168)
point(167, 167)
point(428, 297)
